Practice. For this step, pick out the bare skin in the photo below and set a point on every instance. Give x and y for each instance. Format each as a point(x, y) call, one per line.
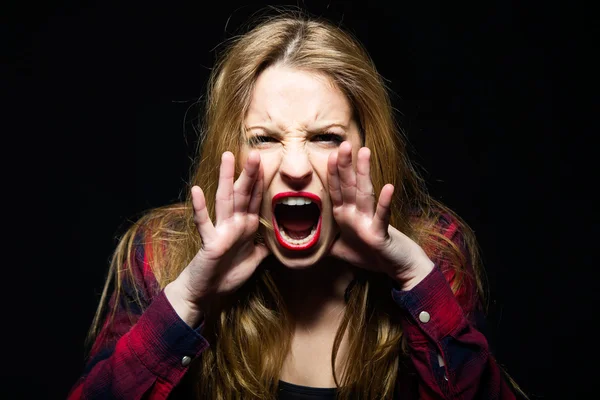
point(320, 289)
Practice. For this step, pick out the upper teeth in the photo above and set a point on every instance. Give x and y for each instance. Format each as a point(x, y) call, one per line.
point(294, 201)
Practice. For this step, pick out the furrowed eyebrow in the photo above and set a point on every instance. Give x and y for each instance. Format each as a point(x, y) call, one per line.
point(312, 130)
point(260, 131)
point(327, 127)
point(263, 128)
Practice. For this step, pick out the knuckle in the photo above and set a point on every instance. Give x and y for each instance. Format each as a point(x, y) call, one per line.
point(243, 190)
point(347, 185)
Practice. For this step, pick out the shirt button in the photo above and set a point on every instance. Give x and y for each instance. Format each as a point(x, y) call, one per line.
point(424, 317)
point(185, 361)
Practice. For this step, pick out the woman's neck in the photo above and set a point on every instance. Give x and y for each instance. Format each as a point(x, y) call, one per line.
point(314, 296)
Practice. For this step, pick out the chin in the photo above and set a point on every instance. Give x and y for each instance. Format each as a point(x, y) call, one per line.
point(296, 259)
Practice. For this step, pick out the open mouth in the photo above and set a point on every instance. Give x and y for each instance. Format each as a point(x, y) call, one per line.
point(297, 219)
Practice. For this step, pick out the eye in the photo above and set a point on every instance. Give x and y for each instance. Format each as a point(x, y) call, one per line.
point(328, 137)
point(258, 140)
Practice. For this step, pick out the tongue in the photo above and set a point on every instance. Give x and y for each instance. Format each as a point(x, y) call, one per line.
point(296, 229)
point(296, 234)
point(296, 226)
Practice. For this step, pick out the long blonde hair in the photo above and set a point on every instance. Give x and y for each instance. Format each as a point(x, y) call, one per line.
point(250, 332)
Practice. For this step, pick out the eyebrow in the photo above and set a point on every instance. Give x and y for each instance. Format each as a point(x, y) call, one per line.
point(313, 129)
point(327, 126)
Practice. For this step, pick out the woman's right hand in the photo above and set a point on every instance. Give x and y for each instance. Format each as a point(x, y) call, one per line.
point(228, 255)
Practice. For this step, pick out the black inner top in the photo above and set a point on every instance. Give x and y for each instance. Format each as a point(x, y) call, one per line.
point(289, 391)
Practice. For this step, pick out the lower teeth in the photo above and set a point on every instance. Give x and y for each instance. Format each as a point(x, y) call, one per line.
point(298, 242)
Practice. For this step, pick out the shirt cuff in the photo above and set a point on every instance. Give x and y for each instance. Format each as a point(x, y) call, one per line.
point(433, 310)
point(163, 342)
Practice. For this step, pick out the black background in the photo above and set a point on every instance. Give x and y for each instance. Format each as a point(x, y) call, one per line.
point(101, 106)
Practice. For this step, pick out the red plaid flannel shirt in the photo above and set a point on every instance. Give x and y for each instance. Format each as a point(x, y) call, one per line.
point(146, 354)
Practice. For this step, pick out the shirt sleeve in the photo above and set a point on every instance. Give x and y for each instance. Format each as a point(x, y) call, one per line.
point(451, 357)
point(144, 349)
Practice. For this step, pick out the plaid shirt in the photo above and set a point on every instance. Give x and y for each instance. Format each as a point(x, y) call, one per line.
point(146, 354)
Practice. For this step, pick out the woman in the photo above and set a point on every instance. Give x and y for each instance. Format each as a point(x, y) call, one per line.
point(308, 259)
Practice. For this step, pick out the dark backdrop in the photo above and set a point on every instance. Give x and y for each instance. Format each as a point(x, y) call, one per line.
point(102, 101)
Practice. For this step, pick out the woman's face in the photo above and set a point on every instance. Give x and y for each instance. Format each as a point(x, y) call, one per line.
point(295, 120)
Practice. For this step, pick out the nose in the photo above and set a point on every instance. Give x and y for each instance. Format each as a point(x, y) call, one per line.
point(296, 169)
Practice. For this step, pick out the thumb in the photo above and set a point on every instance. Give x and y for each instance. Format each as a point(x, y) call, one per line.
point(346, 252)
point(338, 249)
point(260, 253)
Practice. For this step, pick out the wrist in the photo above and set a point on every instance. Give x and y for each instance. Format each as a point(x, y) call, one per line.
point(415, 274)
point(188, 311)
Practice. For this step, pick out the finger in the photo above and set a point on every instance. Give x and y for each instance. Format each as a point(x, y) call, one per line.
point(224, 198)
point(257, 191)
point(365, 200)
point(201, 218)
point(242, 188)
point(333, 180)
point(381, 220)
point(346, 173)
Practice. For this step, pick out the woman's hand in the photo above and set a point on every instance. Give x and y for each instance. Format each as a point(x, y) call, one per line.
point(367, 240)
point(228, 256)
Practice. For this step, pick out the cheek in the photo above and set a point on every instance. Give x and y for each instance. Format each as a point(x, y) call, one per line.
point(270, 162)
point(318, 160)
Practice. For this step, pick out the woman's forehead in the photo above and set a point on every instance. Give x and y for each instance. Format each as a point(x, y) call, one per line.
point(284, 96)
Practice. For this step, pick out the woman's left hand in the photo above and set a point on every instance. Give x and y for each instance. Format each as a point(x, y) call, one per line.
point(367, 240)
